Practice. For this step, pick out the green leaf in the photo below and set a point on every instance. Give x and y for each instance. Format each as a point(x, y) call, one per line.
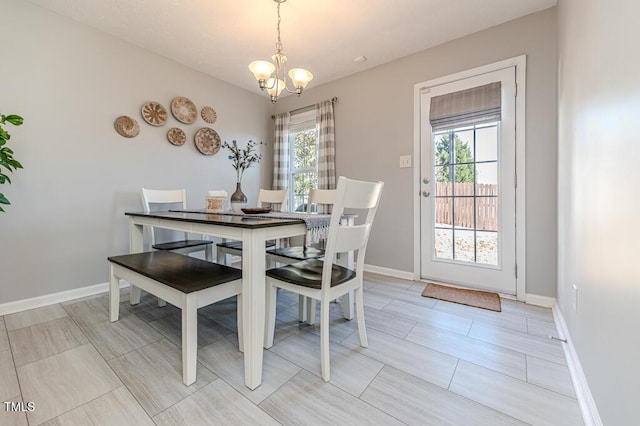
point(3, 199)
point(16, 164)
point(16, 120)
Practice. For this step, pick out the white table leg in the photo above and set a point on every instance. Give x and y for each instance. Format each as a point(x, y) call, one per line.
point(135, 246)
point(253, 304)
point(114, 296)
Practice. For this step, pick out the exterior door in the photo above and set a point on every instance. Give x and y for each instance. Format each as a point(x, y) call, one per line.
point(468, 203)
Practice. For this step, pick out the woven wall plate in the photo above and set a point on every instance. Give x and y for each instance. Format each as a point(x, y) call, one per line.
point(126, 126)
point(207, 141)
point(154, 113)
point(176, 136)
point(184, 110)
point(208, 114)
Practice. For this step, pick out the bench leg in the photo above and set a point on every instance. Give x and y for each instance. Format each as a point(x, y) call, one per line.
point(134, 295)
point(114, 296)
point(189, 338)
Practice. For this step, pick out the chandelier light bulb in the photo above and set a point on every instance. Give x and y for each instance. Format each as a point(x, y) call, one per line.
point(262, 70)
point(300, 77)
point(275, 86)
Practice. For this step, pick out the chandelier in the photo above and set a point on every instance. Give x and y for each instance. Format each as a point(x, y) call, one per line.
point(271, 75)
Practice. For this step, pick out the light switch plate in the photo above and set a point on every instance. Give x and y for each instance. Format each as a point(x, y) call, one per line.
point(405, 161)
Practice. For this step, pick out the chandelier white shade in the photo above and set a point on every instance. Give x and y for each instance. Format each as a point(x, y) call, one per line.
point(272, 75)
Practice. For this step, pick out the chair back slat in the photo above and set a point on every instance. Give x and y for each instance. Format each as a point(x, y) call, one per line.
point(320, 196)
point(361, 195)
point(161, 196)
point(351, 238)
point(276, 198)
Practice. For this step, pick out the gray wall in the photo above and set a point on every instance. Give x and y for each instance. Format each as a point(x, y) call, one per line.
point(374, 126)
point(70, 82)
point(598, 151)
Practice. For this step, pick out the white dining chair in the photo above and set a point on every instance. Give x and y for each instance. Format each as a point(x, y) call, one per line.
point(323, 279)
point(292, 254)
point(157, 198)
point(278, 200)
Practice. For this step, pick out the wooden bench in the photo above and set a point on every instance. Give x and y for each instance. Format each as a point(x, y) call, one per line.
point(183, 281)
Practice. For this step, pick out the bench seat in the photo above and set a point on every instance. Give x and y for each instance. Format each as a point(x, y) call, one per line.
point(185, 282)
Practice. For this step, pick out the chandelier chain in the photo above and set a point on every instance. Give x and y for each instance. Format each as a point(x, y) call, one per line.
point(279, 43)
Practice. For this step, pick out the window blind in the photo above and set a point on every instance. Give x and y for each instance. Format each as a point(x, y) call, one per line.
point(477, 105)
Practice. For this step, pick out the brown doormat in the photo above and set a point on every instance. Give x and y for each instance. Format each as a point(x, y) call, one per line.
point(479, 299)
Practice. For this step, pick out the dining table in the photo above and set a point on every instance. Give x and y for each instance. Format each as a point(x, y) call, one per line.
point(253, 231)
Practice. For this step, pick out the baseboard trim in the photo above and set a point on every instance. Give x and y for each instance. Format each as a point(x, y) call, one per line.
point(396, 273)
point(65, 296)
point(49, 299)
point(544, 301)
point(586, 402)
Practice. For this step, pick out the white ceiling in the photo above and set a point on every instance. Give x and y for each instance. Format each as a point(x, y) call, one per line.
point(220, 38)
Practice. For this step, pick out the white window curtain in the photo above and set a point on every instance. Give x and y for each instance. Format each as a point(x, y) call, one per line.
point(281, 151)
point(326, 149)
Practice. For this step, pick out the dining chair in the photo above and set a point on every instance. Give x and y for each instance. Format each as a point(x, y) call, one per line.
point(159, 197)
point(292, 254)
point(277, 199)
point(323, 279)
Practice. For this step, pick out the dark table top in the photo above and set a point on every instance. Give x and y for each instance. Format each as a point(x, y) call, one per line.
point(245, 221)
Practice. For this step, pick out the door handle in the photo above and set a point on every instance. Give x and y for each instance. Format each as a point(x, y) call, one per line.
point(425, 180)
point(425, 194)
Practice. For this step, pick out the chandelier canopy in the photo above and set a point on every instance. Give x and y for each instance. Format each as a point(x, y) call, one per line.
point(272, 75)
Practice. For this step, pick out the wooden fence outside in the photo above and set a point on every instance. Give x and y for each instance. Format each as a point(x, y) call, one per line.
point(486, 205)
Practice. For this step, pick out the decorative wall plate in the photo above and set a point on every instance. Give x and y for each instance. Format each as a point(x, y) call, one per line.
point(209, 114)
point(176, 136)
point(184, 110)
point(126, 126)
point(154, 113)
point(207, 141)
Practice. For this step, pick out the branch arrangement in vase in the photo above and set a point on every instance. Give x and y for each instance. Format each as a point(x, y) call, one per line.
point(242, 158)
point(6, 154)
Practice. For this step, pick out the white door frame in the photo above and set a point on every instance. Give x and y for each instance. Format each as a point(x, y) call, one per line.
point(519, 63)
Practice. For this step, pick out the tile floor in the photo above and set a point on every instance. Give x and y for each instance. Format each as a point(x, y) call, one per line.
point(428, 362)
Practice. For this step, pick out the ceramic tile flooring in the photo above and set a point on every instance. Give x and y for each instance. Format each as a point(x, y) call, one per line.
point(428, 362)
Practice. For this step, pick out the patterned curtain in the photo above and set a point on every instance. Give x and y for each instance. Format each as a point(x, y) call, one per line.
point(281, 152)
point(326, 149)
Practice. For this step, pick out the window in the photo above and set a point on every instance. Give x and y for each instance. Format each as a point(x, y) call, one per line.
point(303, 146)
point(466, 193)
